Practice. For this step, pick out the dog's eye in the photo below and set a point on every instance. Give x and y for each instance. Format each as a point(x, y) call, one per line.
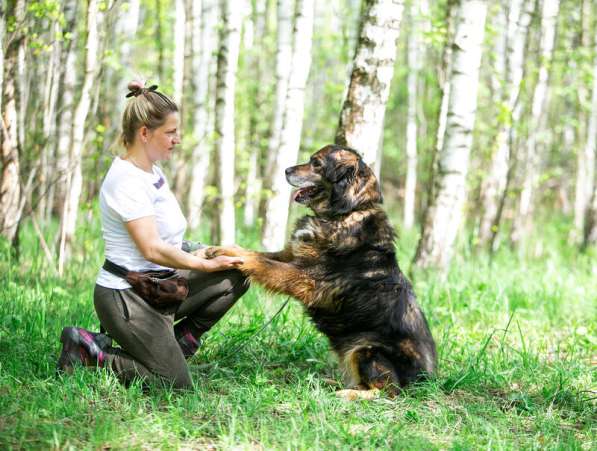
point(316, 163)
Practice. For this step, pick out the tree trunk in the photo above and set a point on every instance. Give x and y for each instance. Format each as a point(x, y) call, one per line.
point(257, 118)
point(64, 122)
point(585, 173)
point(284, 11)
point(224, 120)
point(363, 109)
point(410, 185)
point(494, 186)
point(276, 219)
point(531, 159)
point(74, 176)
point(50, 96)
point(204, 45)
point(10, 182)
point(590, 231)
point(444, 213)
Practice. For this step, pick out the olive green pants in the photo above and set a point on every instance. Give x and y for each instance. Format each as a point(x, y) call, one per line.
point(148, 347)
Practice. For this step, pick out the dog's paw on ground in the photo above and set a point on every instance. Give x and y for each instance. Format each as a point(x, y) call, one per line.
point(354, 395)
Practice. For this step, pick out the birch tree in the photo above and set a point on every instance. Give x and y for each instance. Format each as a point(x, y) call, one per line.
point(10, 180)
point(590, 230)
point(585, 173)
point(364, 106)
point(276, 217)
point(493, 190)
point(411, 127)
point(74, 176)
point(204, 46)
point(531, 159)
point(224, 116)
point(256, 65)
point(284, 15)
point(444, 214)
point(64, 121)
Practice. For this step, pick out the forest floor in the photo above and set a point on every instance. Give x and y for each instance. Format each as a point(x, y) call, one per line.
point(516, 336)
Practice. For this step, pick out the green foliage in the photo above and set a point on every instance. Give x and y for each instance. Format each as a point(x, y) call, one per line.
point(515, 339)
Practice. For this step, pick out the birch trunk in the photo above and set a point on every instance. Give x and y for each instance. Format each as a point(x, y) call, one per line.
point(283, 60)
point(411, 127)
point(204, 46)
point(444, 213)
point(10, 181)
point(276, 218)
point(64, 122)
point(127, 26)
point(494, 186)
point(363, 109)
point(585, 173)
point(224, 120)
point(179, 40)
point(49, 123)
point(531, 159)
point(590, 230)
point(74, 176)
point(254, 177)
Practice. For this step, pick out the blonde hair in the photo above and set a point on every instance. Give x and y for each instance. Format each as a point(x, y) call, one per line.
point(146, 108)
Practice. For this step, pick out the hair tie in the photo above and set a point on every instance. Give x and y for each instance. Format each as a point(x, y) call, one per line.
point(136, 89)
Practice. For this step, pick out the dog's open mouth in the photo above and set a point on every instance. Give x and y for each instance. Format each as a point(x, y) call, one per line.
point(302, 195)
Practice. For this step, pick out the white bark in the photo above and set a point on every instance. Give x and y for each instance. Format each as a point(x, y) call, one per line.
point(531, 160)
point(67, 105)
point(204, 45)
point(224, 120)
point(283, 62)
point(363, 110)
point(585, 173)
point(494, 186)
point(444, 214)
point(411, 125)
point(179, 41)
point(254, 178)
point(126, 29)
point(10, 181)
point(276, 219)
point(50, 96)
point(74, 176)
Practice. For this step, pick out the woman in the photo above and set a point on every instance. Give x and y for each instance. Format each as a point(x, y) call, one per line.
point(143, 229)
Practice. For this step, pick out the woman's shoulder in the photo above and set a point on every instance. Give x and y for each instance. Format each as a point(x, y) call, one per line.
point(122, 175)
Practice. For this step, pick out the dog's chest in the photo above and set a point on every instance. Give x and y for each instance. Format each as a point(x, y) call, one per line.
point(308, 237)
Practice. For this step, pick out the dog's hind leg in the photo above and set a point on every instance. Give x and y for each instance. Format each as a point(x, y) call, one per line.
point(369, 371)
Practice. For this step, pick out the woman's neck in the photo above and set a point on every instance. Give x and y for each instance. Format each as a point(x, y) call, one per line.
point(139, 158)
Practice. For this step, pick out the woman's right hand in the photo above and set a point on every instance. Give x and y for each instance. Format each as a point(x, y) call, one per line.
point(220, 263)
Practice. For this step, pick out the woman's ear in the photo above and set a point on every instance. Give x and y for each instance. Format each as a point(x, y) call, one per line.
point(143, 134)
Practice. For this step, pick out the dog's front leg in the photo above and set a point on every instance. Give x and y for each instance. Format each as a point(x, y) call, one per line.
point(279, 277)
point(276, 276)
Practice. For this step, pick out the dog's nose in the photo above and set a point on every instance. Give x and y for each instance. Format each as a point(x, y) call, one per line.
point(288, 171)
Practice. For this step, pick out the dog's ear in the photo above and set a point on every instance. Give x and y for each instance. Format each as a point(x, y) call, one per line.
point(369, 191)
point(342, 177)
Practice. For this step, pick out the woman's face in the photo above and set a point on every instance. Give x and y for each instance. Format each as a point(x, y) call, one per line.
point(161, 140)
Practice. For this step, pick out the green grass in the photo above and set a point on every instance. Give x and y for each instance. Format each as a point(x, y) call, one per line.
point(516, 337)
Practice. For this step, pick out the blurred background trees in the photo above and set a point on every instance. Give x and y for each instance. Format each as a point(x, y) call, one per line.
point(480, 117)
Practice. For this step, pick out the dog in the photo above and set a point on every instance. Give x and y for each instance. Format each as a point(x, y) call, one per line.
point(341, 265)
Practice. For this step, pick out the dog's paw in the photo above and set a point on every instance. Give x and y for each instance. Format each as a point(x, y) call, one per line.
point(350, 394)
point(213, 252)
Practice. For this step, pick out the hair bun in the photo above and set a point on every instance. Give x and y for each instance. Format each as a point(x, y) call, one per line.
point(135, 88)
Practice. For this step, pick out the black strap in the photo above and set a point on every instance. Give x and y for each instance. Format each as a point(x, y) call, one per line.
point(115, 269)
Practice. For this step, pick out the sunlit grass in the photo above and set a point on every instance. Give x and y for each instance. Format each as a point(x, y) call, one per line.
point(516, 338)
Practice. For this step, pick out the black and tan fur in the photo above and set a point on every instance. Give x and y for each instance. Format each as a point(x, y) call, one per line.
point(341, 264)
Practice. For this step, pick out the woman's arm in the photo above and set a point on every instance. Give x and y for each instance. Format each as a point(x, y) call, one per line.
point(144, 233)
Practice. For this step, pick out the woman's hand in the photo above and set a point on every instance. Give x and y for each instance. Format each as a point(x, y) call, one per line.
point(220, 263)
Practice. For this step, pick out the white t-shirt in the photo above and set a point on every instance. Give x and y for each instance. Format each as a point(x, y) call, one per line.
point(129, 193)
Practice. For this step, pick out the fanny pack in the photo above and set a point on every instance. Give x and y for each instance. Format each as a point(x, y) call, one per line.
point(158, 288)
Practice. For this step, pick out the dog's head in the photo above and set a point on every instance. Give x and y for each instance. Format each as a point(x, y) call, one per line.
point(334, 182)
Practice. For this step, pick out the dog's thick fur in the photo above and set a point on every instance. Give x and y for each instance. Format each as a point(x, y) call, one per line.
point(341, 265)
